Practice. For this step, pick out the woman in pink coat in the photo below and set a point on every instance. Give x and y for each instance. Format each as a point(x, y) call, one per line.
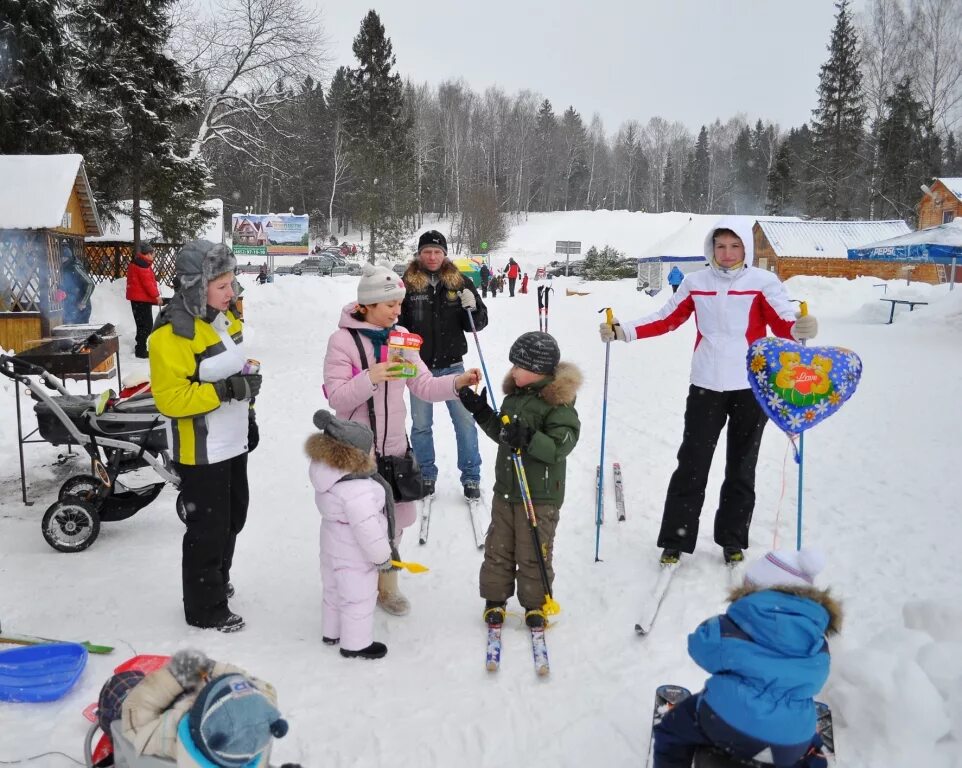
point(349, 386)
point(355, 505)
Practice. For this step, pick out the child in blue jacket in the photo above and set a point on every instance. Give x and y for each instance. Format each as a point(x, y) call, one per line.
point(768, 658)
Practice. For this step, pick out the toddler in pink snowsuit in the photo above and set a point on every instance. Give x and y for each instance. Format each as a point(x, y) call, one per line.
point(357, 511)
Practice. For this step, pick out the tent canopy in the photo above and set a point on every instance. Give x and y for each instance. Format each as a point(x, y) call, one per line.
point(939, 245)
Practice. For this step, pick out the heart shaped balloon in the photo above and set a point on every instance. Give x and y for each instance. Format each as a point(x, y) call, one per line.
point(799, 386)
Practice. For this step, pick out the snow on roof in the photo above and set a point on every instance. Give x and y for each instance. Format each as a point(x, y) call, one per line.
point(36, 190)
point(942, 234)
point(688, 241)
point(121, 230)
point(953, 184)
point(826, 239)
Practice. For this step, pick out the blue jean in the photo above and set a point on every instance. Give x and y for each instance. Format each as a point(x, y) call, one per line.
point(465, 433)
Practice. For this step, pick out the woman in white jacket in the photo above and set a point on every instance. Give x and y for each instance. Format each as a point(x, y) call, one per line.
point(734, 304)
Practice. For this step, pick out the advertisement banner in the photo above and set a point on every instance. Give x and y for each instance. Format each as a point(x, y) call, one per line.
point(255, 234)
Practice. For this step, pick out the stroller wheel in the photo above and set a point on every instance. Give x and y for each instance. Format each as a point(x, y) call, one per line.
point(83, 487)
point(181, 508)
point(71, 525)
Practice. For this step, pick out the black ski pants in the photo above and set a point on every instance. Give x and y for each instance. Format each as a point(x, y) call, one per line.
point(215, 497)
point(706, 412)
point(144, 319)
point(511, 282)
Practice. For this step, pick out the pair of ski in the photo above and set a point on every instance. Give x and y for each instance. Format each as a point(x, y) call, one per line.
point(539, 650)
point(7, 638)
point(650, 611)
point(544, 292)
point(619, 492)
point(667, 697)
point(474, 511)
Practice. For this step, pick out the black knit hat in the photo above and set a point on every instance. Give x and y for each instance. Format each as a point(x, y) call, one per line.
point(433, 238)
point(536, 352)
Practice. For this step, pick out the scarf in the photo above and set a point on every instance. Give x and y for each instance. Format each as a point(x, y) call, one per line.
point(378, 339)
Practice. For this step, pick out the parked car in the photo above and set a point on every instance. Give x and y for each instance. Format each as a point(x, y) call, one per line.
point(350, 268)
point(322, 264)
point(400, 267)
point(575, 268)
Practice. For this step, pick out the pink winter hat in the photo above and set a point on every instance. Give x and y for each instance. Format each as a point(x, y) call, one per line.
point(785, 568)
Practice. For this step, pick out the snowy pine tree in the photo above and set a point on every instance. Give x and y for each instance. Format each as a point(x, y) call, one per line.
point(38, 104)
point(135, 92)
point(378, 136)
point(837, 125)
point(697, 175)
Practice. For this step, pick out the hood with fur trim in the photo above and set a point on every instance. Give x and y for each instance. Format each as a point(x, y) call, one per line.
point(821, 596)
point(561, 390)
point(417, 278)
point(340, 456)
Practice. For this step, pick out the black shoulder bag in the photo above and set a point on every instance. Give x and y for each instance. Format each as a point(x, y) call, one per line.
point(402, 473)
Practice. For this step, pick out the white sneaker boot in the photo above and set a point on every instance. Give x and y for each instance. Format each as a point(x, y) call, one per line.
point(389, 596)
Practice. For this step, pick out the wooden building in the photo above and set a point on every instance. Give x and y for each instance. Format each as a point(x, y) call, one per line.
point(941, 203)
point(46, 206)
point(821, 248)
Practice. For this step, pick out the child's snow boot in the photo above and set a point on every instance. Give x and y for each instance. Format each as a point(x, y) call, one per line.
point(493, 613)
point(535, 618)
point(733, 555)
point(375, 650)
point(389, 597)
point(670, 556)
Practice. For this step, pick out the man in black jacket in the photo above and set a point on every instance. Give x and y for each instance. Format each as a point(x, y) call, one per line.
point(436, 307)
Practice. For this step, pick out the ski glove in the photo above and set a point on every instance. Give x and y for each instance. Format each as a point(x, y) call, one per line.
point(612, 332)
point(240, 386)
point(468, 301)
point(474, 402)
point(516, 435)
point(805, 327)
point(385, 566)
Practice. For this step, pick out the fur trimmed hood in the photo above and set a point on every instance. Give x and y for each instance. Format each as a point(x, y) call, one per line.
point(821, 596)
point(417, 279)
point(320, 447)
point(561, 390)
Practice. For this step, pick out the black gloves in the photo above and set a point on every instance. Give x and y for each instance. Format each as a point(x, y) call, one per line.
point(253, 433)
point(476, 404)
point(240, 386)
point(516, 435)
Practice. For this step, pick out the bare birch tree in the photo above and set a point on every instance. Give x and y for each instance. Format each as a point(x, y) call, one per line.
point(936, 32)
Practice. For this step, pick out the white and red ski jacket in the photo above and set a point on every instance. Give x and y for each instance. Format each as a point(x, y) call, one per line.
point(731, 311)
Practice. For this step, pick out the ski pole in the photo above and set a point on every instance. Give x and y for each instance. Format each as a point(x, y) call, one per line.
point(610, 319)
point(551, 606)
point(803, 311)
point(540, 307)
point(487, 379)
point(547, 292)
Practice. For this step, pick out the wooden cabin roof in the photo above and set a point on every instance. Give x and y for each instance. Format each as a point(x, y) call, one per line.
point(36, 190)
point(826, 239)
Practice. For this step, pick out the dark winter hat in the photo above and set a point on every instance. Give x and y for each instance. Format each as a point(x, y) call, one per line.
point(351, 433)
point(433, 238)
point(535, 351)
point(146, 248)
point(231, 723)
point(199, 262)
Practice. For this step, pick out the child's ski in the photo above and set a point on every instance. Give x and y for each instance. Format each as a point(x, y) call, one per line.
point(426, 503)
point(619, 492)
point(666, 697)
point(644, 626)
point(539, 651)
point(493, 655)
point(540, 307)
point(12, 639)
point(477, 525)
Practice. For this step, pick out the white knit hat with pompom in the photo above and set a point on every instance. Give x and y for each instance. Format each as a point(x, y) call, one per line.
point(786, 568)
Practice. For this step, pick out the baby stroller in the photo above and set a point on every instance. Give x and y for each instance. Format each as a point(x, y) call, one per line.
point(120, 434)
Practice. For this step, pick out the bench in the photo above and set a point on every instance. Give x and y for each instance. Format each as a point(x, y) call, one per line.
point(893, 302)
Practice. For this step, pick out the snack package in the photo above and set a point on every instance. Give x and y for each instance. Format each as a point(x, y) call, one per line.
point(403, 350)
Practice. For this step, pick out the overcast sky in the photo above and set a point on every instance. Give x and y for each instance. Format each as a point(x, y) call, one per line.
point(687, 60)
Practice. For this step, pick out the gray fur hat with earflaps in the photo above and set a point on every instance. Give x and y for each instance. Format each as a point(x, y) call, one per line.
point(198, 262)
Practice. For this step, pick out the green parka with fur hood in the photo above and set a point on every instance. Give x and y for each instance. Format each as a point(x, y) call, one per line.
point(547, 407)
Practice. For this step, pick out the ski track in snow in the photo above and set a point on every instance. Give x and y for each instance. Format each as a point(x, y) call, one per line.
point(881, 498)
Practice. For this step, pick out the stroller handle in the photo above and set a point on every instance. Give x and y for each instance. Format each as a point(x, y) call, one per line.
point(15, 368)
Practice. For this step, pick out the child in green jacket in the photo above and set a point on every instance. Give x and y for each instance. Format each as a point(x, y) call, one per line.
point(543, 424)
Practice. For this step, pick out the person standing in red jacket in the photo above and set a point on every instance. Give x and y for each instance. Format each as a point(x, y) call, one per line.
point(512, 271)
point(143, 293)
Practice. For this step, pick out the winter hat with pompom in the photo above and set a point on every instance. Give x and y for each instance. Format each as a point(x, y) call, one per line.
point(379, 284)
point(351, 433)
point(785, 568)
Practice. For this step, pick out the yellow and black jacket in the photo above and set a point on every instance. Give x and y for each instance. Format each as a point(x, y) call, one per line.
point(202, 430)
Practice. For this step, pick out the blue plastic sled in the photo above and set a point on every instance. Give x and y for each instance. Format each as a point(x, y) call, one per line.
point(40, 672)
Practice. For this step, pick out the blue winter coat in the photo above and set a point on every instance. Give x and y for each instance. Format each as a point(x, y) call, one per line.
point(675, 276)
point(768, 657)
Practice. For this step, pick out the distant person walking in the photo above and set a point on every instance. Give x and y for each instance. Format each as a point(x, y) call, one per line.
point(143, 294)
point(524, 283)
point(78, 287)
point(674, 278)
point(485, 276)
point(513, 271)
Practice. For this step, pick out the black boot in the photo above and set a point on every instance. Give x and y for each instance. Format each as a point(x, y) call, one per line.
point(493, 613)
point(375, 650)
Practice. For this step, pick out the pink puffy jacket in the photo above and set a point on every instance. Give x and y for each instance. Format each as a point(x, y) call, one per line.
point(348, 388)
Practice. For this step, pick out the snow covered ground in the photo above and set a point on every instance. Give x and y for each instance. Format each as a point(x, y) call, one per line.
point(882, 498)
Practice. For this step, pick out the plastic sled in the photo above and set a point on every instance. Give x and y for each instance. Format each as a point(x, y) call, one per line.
point(36, 673)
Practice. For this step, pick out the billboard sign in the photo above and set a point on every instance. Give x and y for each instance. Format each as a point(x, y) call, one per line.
point(282, 234)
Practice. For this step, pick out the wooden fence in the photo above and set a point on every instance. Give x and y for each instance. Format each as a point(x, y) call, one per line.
point(109, 261)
